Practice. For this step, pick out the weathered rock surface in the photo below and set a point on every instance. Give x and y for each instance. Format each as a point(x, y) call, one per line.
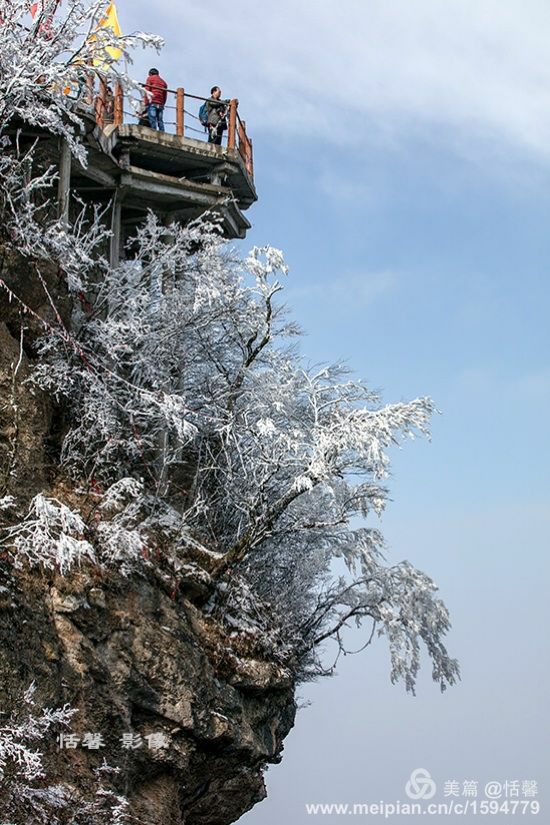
point(133, 660)
point(27, 425)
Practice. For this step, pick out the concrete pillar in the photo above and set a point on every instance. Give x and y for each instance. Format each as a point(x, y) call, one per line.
point(64, 185)
point(116, 229)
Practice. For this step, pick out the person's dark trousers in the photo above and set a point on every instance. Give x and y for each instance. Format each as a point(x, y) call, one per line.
point(215, 135)
point(155, 113)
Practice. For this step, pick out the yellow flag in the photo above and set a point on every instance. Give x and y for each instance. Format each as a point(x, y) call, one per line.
point(110, 21)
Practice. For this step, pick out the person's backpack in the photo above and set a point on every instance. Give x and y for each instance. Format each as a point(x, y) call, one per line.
point(203, 114)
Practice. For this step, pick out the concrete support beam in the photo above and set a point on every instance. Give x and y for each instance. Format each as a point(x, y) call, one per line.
point(96, 174)
point(154, 185)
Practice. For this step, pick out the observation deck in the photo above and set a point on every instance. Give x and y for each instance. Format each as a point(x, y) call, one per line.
point(175, 173)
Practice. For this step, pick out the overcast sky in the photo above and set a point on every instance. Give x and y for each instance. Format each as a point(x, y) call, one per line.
point(402, 155)
point(477, 69)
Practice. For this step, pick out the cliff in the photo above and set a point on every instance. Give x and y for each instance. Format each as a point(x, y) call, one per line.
point(132, 655)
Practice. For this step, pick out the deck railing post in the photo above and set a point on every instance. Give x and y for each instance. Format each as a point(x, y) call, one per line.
point(180, 98)
point(245, 147)
point(90, 89)
point(251, 170)
point(241, 144)
point(119, 105)
point(231, 135)
point(100, 104)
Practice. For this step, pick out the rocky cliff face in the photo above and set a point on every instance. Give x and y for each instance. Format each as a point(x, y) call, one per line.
point(131, 655)
point(133, 660)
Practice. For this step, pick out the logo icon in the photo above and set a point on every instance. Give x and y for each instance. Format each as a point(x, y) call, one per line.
point(420, 785)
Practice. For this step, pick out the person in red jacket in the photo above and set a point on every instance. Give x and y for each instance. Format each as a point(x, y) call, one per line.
point(155, 99)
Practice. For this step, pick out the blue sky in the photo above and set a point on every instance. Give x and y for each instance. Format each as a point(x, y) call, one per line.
point(402, 155)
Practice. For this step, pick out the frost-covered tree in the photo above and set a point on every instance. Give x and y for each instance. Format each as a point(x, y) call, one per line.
point(193, 427)
point(46, 62)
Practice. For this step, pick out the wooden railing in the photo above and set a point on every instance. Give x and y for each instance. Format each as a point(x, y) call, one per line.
point(109, 107)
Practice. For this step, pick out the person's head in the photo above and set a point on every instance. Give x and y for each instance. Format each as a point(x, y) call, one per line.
point(216, 92)
point(153, 71)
